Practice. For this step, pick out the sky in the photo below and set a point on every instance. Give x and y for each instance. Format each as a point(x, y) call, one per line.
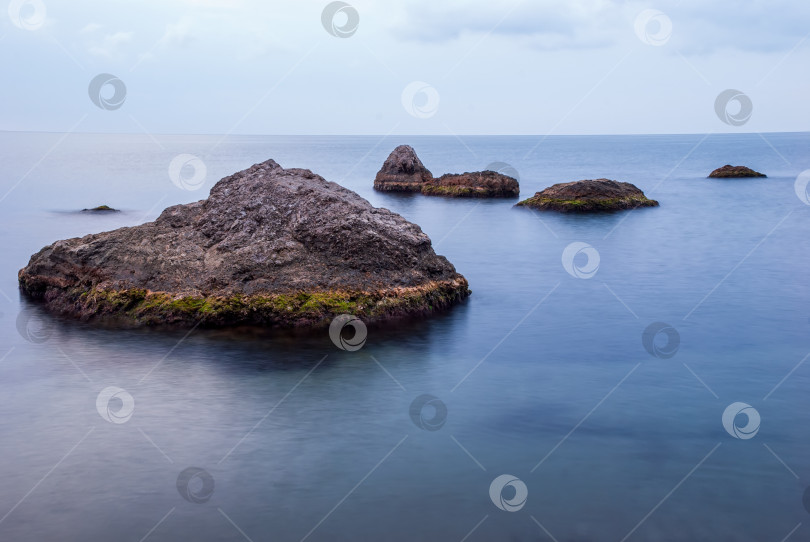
point(446, 67)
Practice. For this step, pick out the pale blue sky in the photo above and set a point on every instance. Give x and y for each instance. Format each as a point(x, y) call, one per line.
point(531, 67)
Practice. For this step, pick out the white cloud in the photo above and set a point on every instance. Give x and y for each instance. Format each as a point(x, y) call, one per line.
point(550, 24)
point(239, 35)
point(545, 65)
point(699, 26)
point(90, 28)
point(179, 33)
point(705, 27)
point(110, 44)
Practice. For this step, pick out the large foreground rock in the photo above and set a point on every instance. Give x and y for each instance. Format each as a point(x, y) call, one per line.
point(402, 171)
point(478, 184)
point(589, 196)
point(270, 246)
point(729, 171)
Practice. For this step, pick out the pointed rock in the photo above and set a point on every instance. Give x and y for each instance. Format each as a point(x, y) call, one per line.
point(402, 171)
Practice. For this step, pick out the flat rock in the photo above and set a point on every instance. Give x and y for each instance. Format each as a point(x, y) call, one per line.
point(589, 196)
point(100, 209)
point(478, 184)
point(402, 171)
point(729, 171)
point(270, 246)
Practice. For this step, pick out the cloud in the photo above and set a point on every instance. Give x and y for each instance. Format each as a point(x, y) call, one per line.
point(179, 33)
point(228, 4)
point(110, 44)
point(706, 27)
point(228, 34)
point(555, 23)
point(529, 66)
point(699, 26)
point(90, 28)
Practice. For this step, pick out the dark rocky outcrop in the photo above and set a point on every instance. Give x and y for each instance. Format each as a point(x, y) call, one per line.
point(729, 171)
point(589, 196)
point(100, 209)
point(402, 171)
point(270, 246)
point(479, 184)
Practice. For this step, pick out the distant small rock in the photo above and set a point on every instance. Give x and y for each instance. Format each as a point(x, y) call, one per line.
point(100, 209)
point(478, 184)
point(402, 171)
point(589, 196)
point(729, 171)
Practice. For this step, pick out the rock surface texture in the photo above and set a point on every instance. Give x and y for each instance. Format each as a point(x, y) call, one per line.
point(270, 246)
point(402, 171)
point(729, 171)
point(589, 196)
point(479, 184)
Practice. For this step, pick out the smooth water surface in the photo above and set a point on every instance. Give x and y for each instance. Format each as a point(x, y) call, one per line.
point(543, 375)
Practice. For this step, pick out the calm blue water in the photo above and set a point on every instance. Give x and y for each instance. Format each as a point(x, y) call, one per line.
point(543, 375)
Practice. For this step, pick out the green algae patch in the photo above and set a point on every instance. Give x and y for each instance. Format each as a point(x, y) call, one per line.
point(479, 184)
point(587, 204)
point(455, 191)
point(288, 309)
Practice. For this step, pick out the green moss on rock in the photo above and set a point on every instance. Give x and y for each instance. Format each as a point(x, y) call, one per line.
point(591, 195)
point(143, 307)
point(587, 205)
point(454, 191)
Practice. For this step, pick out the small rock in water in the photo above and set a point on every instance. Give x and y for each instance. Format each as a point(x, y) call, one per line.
point(729, 171)
point(100, 208)
point(589, 196)
point(402, 171)
point(478, 184)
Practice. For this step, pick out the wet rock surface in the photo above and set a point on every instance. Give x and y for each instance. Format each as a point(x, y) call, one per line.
point(589, 196)
point(402, 171)
point(729, 171)
point(478, 184)
point(270, 246)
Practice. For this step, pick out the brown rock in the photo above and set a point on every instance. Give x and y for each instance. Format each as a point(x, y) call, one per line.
point(479, 184)
point(402, 171)
point(270, 246)
point(729, 171)
point(589, 196)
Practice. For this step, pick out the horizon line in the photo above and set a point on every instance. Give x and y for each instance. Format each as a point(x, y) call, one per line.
point(154, 134)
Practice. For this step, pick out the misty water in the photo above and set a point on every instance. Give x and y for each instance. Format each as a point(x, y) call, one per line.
point(544, 375)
